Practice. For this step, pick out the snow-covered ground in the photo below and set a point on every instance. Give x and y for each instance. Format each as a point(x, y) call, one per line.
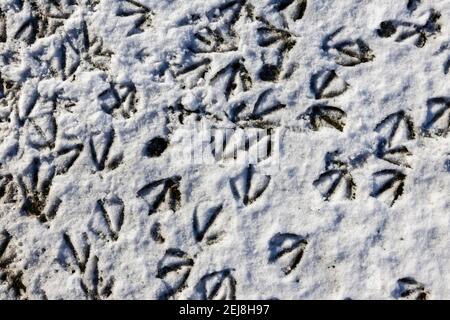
point(204, 149)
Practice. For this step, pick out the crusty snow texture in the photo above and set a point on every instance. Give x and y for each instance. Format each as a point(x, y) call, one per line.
point(100, 100)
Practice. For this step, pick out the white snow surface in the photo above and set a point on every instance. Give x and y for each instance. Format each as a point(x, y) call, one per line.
point(357, 242)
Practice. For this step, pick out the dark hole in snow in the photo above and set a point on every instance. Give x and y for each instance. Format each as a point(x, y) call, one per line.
point(387, 29)
point(156, 147)
point(269, 72)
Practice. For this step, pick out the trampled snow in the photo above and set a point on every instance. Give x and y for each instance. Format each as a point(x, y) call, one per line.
point(204, 149)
